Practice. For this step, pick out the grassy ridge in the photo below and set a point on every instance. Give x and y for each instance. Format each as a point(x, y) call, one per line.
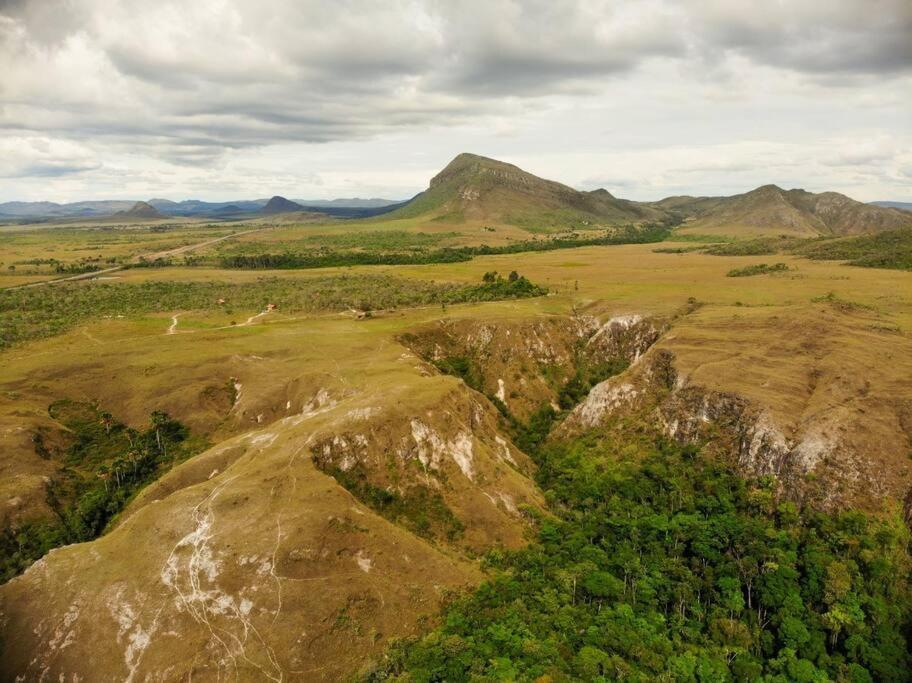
point(891, 249)
point(888, 249)
point(762, 246)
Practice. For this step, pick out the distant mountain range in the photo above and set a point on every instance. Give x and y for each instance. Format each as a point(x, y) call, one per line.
point(905, 206)
point(353, 207)
point(478, 190)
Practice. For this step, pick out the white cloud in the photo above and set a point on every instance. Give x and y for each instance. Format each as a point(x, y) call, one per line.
point(43, 157)
point(213, 95)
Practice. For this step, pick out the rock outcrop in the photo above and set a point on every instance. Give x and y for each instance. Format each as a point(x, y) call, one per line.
point(819, 462)
point(525, 363)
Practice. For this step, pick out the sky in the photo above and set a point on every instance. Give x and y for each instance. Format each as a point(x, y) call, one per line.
point(230, 99)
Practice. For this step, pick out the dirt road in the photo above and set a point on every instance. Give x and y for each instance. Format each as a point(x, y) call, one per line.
point(149, 257)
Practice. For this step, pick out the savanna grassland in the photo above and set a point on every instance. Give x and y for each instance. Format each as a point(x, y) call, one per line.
point(457, 444)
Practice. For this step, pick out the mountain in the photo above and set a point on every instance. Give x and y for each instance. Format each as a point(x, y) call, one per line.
point(905, 206)
point(71, 210)
point(142, 210)
point(196, 207)
point(27, 209)
point(340, 208)
point(772, 210)
point(281, 205)
point(479, 189)
point(353, 203)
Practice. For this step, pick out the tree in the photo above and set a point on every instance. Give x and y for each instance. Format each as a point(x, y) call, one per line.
point(107, 421)
point(158, 420)
point(103, 473)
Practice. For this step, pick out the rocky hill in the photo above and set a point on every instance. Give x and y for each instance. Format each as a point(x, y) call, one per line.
point(771, 210)
point(476, 188)
point(281, 205)
point(141, 210)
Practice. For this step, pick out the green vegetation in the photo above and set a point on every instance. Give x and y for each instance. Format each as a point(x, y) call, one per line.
point(840, 304)
point(40, 250)
point(705, 239)
point(586, 376)
point(418, 509)
point(105, 463)
point(85, 265)
point(545, 221)
point(462, 367)
point(762, 246)
point(369, 240)
point(888, 249)
point(758, 269)
point(677, 250)
point(34, 313)
point(891, 249)
point(328, 259)
point(336, 259)
point(661, 564)
point(531, 434)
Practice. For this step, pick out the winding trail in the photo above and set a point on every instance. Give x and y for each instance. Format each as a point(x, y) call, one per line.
point(250, 320)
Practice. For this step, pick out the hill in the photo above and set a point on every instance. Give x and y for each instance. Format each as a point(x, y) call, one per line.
point(195, 207)
point(772, 210)
point(473, 188)
point(349, 203)
point(142, 210)
point(71, 210)
point(281, 205)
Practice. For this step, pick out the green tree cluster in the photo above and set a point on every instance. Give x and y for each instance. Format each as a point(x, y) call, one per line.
point(104, 465)
point(662, 565)
point(324, 258)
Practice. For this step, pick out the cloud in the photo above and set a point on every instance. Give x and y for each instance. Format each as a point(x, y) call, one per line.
point(151, 84)
point(840, 37)
point(43, 157)
point(237, 73)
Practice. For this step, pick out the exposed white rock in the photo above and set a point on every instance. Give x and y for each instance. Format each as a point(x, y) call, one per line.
point(364, 562)
point(813, 447)
point(504, 453)
point(604, 399)
point(432, 448)
point(362, 414)
point(461, 450)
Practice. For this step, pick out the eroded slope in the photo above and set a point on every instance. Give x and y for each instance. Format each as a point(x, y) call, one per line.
point(249, 561)
point(790, 394)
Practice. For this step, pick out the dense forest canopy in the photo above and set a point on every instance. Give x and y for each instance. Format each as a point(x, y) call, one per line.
point(661, 564)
